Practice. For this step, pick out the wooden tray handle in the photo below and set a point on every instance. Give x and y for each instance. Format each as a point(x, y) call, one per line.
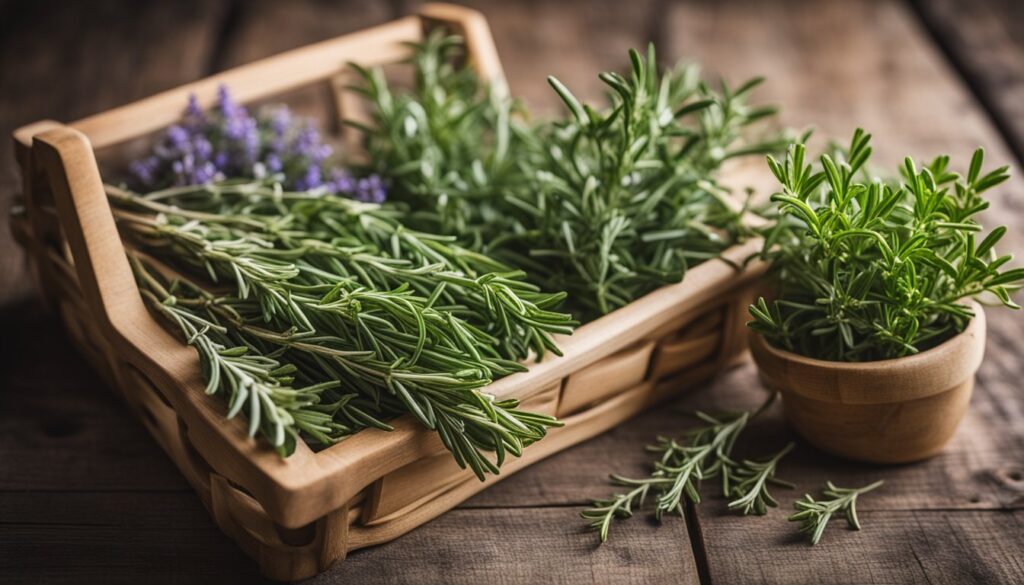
point(472, 25)
point(297, 68)
point(65, 158)
point(481, 56)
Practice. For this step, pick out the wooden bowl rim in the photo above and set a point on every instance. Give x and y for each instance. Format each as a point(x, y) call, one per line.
point(875, 382)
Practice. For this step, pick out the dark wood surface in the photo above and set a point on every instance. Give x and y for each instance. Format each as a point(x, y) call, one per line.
point(87, 496)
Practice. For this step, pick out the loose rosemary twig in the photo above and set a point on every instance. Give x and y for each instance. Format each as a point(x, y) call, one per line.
point(750, 484)
point(814, 515)
point(317, 301)
point(682, 465)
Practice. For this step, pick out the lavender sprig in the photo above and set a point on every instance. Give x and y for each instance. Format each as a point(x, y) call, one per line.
point(228, 141)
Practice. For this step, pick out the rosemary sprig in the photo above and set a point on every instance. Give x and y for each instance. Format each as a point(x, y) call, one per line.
point(682, 465)
point(448, 146)
point(401, 325)
point(256, 384)
point(750, 481)
point(624, 199)
point(319, 239)
point(604, 204)
point(814, 515)
point(866, 269)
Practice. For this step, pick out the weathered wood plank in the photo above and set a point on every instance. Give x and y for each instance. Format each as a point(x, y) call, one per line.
point(985, 40)
point(535, 545)
point(115, 537)
point(933, 547)
point(63, 61)
point(62, 429)
point(265, 27)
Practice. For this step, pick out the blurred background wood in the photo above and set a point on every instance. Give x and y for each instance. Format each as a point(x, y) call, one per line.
point(87, 496)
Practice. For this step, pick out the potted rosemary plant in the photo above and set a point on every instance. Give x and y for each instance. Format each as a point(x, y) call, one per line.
point(873, 335)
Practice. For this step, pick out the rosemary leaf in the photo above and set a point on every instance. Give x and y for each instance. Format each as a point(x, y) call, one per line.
point(813, 515)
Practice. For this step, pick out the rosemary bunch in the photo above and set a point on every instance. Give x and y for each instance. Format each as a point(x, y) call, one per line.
point(606, 205)
point(623, 200)
point(312, 289)
point(681, 465)
point(323, 239)
point(866, 269)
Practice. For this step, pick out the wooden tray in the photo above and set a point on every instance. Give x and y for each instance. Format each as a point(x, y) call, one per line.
point(297, 516)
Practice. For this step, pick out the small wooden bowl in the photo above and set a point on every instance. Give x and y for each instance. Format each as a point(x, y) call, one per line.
point(888, 411)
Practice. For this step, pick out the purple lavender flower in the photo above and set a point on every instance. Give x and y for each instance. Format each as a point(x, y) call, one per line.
point(144, 170)
point(280, 120)
point(194, 115)
point(371, 189)
point(310, 180)
point(228, 141)
point(341, 182)
point(202, 147)
point(179, 138)
point(228, 108)
point(273, 163)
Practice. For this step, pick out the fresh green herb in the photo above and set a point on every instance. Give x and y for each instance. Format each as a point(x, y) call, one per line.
point(257, 385)
point(813, 516)
point(624, 200)
point(750, 487)
point(338, 291)
point(606, 205)
point(706, 453)
point(449, 146)
point(867, 269)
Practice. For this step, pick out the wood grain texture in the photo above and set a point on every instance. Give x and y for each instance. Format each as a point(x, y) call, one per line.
point(61, 429)
point(115, 537)
point(84, 62)
point(515, 545)
point(906, 547)
point(985, 41)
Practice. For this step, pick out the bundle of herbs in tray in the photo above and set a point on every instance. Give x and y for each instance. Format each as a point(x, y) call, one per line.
point(316, 314)
point(605, 204)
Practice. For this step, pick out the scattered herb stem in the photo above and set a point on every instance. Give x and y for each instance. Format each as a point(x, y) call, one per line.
point(813, 515)
point(683, 464)
point(750, 487)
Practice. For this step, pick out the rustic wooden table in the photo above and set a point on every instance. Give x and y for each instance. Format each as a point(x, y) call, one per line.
point(86, 495)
